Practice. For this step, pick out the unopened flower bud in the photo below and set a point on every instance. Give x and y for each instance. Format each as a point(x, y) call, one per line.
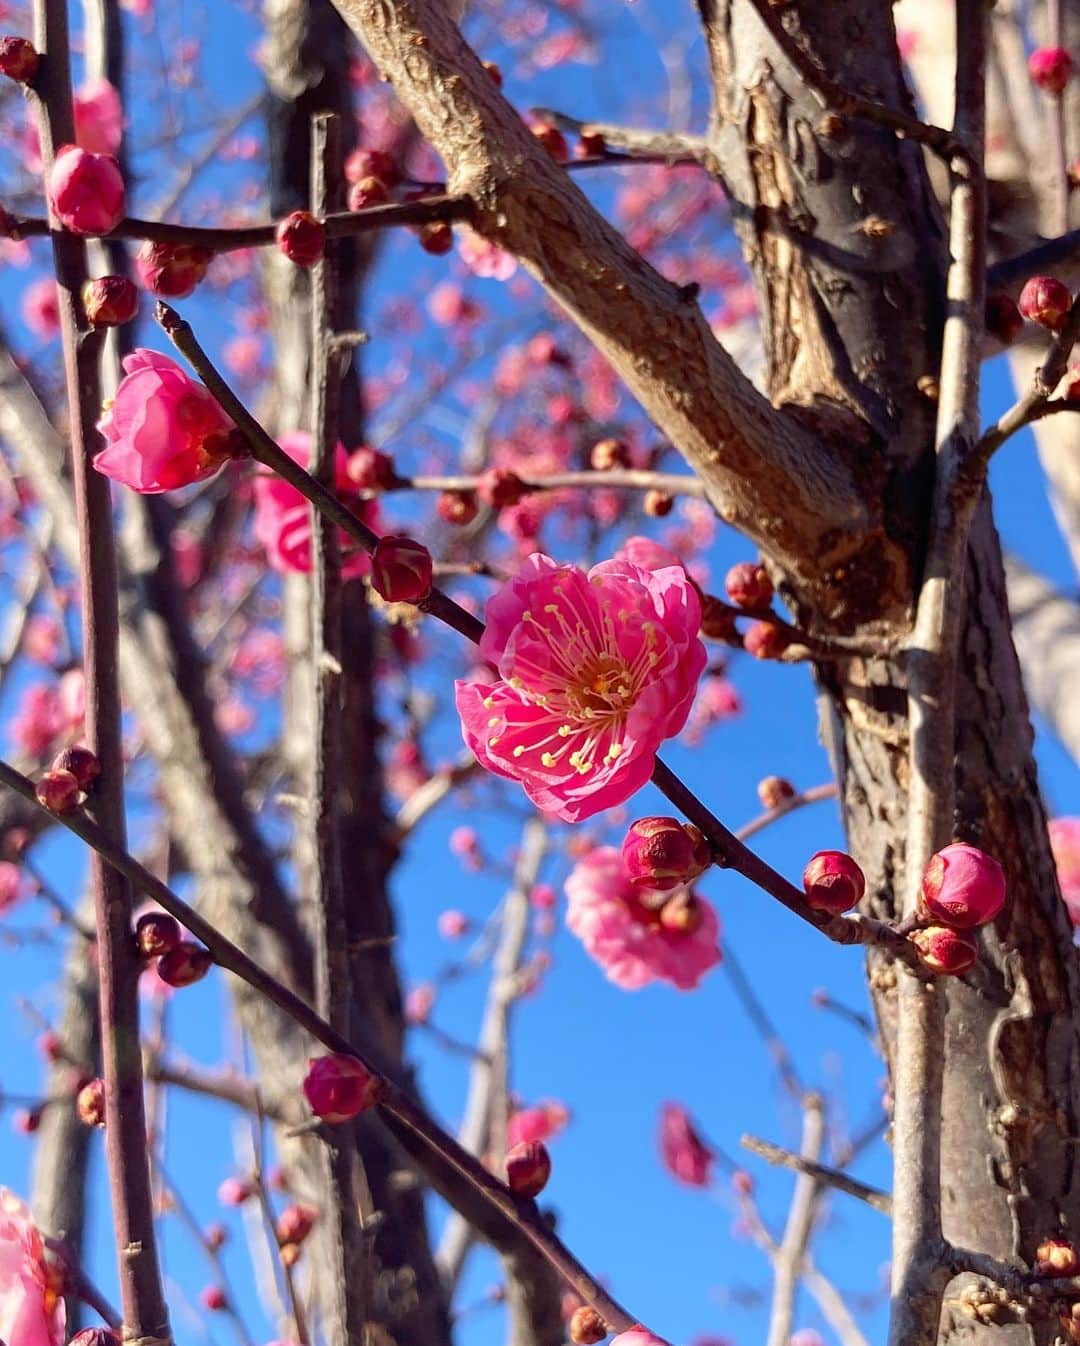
point(57, 791)
point(833, 882)
point(458, 507)
point(1056, 1257)
point(1046, 301)
point(214, 1237)
point(156, 933)
point(110, 300)
point(301, 237)
point(663, 853)
point(401, 570)
point(185, 964)
point(498, 487)
point(741, 1182)
point(658, 504)
point(81, 762)
point(339, 1087)
point(370, 469)
point(765, 640)
point(18, 58)
point(591, 145)
point(773, 791)
point(26, 1120)
point(586, 1326)
point(234, 1191)
point(367, 163)
point(51, 1046)
point(528, 1167)
point(494, 71)
point(290, 1254)
point(213, 1297)
point(1003, 319)
point(963, 886)
point(171, 270)
point(369, 191)
point(295, 1223)
point(90, 1103)
point(436, 237)
point(608, 453)
point(945, 950)
point(552, 140)
point(1050, 69)
point(86, 191)
point(748, 586)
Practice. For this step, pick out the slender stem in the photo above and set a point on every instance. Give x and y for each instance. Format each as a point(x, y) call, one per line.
point(811, 796)
point(616, 478)
point(919, 1276)
point(831, 1177)
point(341, 1237)
point(79, 1284)
point(669, 147)
point(788, 1257)
point(513, 1212)
point(1059, 150)
point(759, 1017)
point(143, 1303)
point(1010, 274)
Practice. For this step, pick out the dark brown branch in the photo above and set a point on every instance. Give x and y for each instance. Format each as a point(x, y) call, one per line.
point(1048, 258)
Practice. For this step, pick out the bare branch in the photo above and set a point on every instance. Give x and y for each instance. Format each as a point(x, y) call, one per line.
point(830, 1177)
point(788, 1258)
point(671, 147)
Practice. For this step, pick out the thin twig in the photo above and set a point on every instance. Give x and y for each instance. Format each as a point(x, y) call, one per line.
point(831, 1177)
point(788, 1257)
point(669, 147)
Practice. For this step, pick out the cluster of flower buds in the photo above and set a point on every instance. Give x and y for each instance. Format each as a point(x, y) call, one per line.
point(293, 1226)
point(180, 961)
point(528, 1167)
point(71, 776)
point(962, 888)
point(340, 1087)
point(833, 882)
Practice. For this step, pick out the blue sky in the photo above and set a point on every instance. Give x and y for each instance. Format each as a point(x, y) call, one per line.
point(670, 1253)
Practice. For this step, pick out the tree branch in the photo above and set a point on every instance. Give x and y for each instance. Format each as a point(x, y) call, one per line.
point(822, 1173)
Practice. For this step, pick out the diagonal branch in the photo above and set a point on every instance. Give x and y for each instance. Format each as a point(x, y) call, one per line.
point(672, 147)
point(764, 472)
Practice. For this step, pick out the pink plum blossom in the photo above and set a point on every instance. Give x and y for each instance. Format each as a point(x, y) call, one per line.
point(283, 515)
point(163, 429)
point(483, 258)
point(686, 1156)
point(39, 720)
point(1065, 842)
point(99, 117)
point(595, 671)
point(627, 937)
point(647, 554)
point(638, 1336)
point(86, 191)
point(10, 884)
point(31, 1296)
point(41, 308)
point(536, 1124)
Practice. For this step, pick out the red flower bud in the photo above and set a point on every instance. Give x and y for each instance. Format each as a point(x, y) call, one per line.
point(1056, 1257)
point(401, 570)
point(370, 469)
point(212, 1297)
point(156, 933)
point(586, 1326)
point(657, 504)
point(1046, 301)
point(963, 886)
point(552, 140)
point(81, 762)
point(95, 1336)
point(1050, 69)
point(185, 964)
point(765, 640)
point(436, 237)
point(1003, 319)
point(289, 1254)
point(662, 853)
point(51, 1046)
point(528, 1167)
point(773, 791)
point(57, 791)
point(742, 1182)
point(18, 58)
point(366, 192)
point(608, 453)
point(214, 1236)
point(234, 1191)
point(90, 1103)
point(26, 1120)
point(591, 145)
point(365, 163)
point(339, 1087)
point(171, 270)
point(543, 349)
point(457, 507)
point(499, 487)
point(110, 301)
point(295, 1223)
point(833, 882)
point(748, 586)
point(1071, 392)
point(301, 237)
point(86, 191)
point(945, 950)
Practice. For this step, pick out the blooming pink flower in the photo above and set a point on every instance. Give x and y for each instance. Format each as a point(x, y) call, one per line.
point(452, 924)
point(86, 191)
point(283, 515)
point(536, 1124)
point(638, 1336)
point(42, 638)
point(595, 671)
point(31, 1297)
point(99, 117)
point(483, 258)
point(10, 884)
point(41, 308)
point(39, 721)
point(627, 938)
point(686, 1156)
point(646, 554)
point(163, 429)
point(1065, 843)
